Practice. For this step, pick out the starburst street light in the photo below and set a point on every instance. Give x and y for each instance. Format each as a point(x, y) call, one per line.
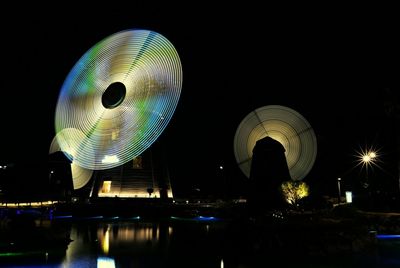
point(367, 158)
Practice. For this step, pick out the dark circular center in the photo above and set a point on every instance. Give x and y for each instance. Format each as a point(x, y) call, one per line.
point(114, 95)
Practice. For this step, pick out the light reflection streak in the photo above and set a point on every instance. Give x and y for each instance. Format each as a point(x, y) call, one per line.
point(111, 237)
point(105, 241)
point(104, 262)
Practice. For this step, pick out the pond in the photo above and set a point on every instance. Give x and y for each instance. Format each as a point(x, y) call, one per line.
point(177, 242)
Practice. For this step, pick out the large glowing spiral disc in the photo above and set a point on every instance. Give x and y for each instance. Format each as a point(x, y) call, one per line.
point(65, 139)
point(286, 126)
point(121, 95)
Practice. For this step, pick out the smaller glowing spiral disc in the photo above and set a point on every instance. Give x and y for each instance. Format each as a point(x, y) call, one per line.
point(284, 125)
point(80, 175)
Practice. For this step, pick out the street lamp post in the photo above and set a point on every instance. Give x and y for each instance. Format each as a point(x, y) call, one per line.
point(368, 159)
point(223, 181)
point(50, 176)
point(339, 193)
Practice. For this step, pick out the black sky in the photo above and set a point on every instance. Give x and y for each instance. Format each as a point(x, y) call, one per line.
point(332, 66)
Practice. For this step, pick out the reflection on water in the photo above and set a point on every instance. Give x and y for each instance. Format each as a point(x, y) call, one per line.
point(105, 262)
point(143, 244)
point(176, 243)
point(93, 242)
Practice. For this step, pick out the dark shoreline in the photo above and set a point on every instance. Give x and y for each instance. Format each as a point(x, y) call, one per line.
point(341, 232)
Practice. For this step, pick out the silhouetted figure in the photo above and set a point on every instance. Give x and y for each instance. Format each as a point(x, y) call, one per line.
point(268, 171)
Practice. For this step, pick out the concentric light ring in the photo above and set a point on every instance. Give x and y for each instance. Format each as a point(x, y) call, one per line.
point(148, 65)
point(65, 139)
point(286, 126)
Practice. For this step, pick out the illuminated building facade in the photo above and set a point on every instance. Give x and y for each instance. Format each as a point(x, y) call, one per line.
point(144, 177)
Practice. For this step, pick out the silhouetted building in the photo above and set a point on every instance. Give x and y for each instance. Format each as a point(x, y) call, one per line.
point(269, 170)
point(146, 176)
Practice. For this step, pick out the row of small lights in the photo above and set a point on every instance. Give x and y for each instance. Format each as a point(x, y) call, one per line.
point(5, 167)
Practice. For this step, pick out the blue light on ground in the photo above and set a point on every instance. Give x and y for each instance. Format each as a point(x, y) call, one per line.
point(388, 236)
point(202, 218)
point(93, 217)
point(198, 218)
point(62, 217)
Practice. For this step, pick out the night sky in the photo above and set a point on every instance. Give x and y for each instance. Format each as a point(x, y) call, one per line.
point(335, 68)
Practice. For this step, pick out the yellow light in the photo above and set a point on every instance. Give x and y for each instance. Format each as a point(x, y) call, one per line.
point(115, 134)
point(29, 204)
point(366, 158)
point(293, 191)
point(105, 243)
point(117, 191)
point(130, 194)
point(109, 159)
point(106, 187)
